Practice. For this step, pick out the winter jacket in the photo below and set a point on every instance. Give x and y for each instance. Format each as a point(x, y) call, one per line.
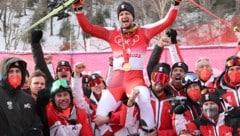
point(44, 94)
point(18, 114)
point(162, 111)
point(77, 124)
point(209, 128)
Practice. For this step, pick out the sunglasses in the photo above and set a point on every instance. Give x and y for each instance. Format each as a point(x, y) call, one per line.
point(233, 62)
point(58, 84)
point(95, 82)
point(159, 77)
point(189, 78)
point(63, 68)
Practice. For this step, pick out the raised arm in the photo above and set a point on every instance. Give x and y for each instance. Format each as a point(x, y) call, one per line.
point(156, 54)
point(174, 50)
point(153, 29)
point(85, 24)
point(39, 57)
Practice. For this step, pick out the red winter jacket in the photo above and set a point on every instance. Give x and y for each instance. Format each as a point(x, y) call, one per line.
point(58, 123)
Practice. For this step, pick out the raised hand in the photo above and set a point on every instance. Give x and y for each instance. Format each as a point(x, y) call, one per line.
point(36, 36)
point(172, 33)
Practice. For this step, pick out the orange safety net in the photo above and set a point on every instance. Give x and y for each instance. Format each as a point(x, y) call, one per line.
point(214, 32)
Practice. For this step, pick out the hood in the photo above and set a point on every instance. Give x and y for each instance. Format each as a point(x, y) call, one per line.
point(5, 65)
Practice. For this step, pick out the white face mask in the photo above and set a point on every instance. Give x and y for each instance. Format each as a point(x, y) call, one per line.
point(211, 111)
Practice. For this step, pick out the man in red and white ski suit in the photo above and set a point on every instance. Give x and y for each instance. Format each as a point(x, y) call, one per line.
point(129, 45)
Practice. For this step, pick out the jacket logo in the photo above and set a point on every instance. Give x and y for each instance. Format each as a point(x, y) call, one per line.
point(27, 106)
point(10, 105)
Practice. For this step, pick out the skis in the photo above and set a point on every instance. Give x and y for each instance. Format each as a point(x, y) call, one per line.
point(53, 12)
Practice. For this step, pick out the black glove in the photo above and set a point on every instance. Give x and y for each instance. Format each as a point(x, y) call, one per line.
point(176, 2)
point(233, 112)
point(36, 36)
point(172, 33)
point(180, 109)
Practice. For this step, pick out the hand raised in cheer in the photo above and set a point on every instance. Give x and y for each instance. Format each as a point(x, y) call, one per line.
point(172, 33)
point(78, 68)
point(164, 41)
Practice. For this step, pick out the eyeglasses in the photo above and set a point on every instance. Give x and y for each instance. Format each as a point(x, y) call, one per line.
point(159, 77)
point(58, 84)
point(95, 82)
point(63, 68)
point(189, 78)
point(233, 62)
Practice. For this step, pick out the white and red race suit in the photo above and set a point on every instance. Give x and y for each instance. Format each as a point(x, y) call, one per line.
point(124, 81)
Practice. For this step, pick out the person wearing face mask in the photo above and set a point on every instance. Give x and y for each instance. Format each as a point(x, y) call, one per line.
point(129, 45)
point(186, 110)
point(229, 82)
point(204, 71)
point(18, 114)
point(212, 121)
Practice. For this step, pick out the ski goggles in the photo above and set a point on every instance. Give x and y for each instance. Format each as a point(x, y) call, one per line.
point(189, 78)
point(58, 84)
point(233, 62)
point(159, 77)
point(63, 68)
point(95, 82)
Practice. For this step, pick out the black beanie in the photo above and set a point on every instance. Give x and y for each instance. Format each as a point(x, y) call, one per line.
point(211, 97)
point(125, 6)
point(163, 68)
point(64, 63)
point(182, 65)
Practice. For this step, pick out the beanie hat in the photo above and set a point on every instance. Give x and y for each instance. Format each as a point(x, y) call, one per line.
point(63, 63)
point(182, 65)
point(94, 77)
point(232, 61)
point(125, 6)
point(211, 97)
point(85, 79)
point(19, 64)
point(163, 68)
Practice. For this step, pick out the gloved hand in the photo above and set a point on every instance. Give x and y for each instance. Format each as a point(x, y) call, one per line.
point(78, 4)
point(180, 109)
point(36, 36)
point(176, 2)
point(172, 33)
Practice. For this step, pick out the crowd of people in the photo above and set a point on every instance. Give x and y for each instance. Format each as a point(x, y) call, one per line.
point(176, 102)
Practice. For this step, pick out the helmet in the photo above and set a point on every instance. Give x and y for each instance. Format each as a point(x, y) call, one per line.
point(60, 85)
point(190, 78)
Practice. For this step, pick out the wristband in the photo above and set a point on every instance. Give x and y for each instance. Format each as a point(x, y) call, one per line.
point(78, 9)
point(176, 2)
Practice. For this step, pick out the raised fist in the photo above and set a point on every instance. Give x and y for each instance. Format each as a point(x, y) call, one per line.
point(78, 4)
point(36, 36)
point(172, 33)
